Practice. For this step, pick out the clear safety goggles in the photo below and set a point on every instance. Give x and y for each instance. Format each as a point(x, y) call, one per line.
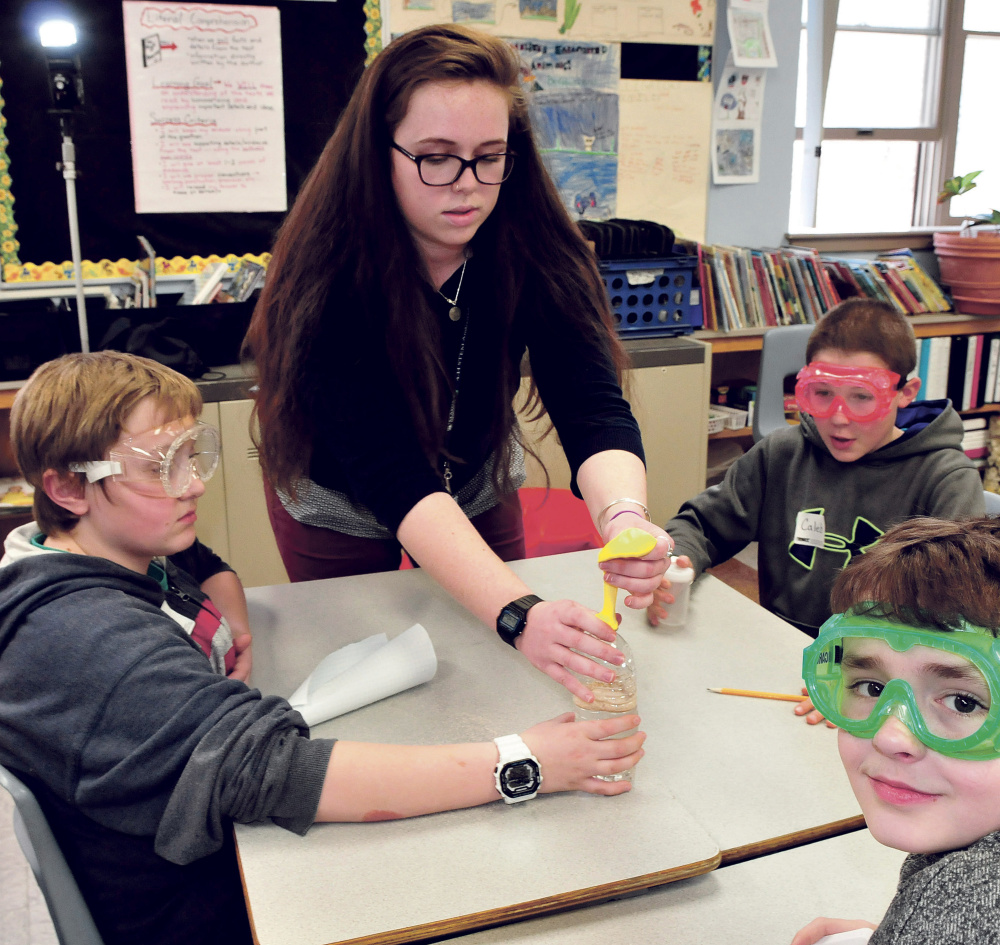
point(950, 699)
point(158, 461)
point(864, 394)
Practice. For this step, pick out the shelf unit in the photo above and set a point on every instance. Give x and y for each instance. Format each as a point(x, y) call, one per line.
point(736, 354)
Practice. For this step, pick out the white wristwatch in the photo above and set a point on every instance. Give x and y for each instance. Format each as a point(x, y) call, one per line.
point(518, 773)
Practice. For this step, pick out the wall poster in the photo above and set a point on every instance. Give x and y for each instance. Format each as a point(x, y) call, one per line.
point(205, 107)
point(573, 96)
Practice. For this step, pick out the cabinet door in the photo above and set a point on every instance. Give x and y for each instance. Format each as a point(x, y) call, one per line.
point(669, 405)
point(252, 549)
point(212, 527)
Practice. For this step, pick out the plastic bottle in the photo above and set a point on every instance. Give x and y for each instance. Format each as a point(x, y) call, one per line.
point(611, 699)
point(680, 586)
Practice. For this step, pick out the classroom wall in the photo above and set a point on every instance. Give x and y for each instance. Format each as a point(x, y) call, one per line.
point(757, 214)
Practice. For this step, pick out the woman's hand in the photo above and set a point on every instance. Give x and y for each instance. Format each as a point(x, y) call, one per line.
point(572, 753)
point(816, 929)
point(662, 595)
point(812, 714)
point(553, 630)
point(638, 577)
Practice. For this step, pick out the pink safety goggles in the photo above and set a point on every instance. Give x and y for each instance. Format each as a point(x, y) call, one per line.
point(864, 394)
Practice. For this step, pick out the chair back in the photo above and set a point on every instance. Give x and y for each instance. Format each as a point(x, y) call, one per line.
point(73, 922)
point(783, 352)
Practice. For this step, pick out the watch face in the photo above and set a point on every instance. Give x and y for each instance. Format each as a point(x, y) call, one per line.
point(519, 778)
point(509, 620)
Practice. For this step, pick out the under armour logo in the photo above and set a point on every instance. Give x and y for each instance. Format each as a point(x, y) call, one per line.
point(864, 535)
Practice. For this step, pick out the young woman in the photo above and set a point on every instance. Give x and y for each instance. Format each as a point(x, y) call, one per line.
point(425, 253)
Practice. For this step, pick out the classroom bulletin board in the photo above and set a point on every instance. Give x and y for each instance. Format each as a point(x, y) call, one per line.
point(623, 92)
point(324, 46)
point(620, 94)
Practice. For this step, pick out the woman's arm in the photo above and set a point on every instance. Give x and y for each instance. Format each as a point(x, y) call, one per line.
point(606, 479)
point(438, 535)
point(367, 782)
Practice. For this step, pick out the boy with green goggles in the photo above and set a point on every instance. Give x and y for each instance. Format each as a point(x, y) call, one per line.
point(952, 704)
point(908, 668)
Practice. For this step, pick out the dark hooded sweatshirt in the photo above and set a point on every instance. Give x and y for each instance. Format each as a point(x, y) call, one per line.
point(141, 756)
point(923, 472)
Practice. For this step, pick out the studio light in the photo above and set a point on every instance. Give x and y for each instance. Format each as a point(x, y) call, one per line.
point(57, 34)
point(58, 39)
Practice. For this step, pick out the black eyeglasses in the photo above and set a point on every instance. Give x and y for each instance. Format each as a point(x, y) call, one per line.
point(440, 170)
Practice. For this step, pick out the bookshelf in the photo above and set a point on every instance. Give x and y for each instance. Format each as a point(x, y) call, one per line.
point(736, 354)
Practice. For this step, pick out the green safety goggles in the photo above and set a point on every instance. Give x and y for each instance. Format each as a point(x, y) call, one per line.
point(950, 701)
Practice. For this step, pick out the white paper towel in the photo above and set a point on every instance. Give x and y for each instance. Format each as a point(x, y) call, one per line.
point(364, 672)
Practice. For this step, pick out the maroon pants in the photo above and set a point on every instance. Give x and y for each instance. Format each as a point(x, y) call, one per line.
point(310, 553)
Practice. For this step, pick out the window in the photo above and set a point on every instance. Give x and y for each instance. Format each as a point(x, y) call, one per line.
point(906, 107)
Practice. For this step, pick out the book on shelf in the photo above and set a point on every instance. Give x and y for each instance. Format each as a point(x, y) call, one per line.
point(938, 364)
point(988, 391)
point(794, 285)
point(15, 494)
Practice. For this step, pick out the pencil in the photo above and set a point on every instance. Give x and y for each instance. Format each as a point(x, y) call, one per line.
point(782, 696)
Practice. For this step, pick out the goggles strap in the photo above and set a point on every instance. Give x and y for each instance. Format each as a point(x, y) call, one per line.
point(97, 469)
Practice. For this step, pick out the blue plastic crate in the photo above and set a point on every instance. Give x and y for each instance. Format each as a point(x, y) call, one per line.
point(653, 296)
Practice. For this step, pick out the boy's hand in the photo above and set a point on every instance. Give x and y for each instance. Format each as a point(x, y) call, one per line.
point(656, 611)
point(244, 657)
point(571, 753)
point(814, 716)
point(816, 929)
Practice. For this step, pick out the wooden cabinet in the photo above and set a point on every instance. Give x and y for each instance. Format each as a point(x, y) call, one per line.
point(668, 400)
point(232, 515)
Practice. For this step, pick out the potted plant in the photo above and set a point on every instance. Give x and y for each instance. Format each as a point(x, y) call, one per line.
point(970, 259)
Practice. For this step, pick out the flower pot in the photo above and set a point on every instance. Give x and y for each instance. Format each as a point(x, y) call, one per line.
point(970, 267)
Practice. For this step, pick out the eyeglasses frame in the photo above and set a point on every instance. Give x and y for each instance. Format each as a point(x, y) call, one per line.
point(473, 163)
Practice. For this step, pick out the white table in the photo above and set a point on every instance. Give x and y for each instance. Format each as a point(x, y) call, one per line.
point(720, 773)
point(764, 901)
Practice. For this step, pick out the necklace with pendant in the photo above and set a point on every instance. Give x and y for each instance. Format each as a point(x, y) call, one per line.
point(445, 465)
point(455, 313)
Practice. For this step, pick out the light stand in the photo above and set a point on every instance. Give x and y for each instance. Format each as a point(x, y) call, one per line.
point(66, 89)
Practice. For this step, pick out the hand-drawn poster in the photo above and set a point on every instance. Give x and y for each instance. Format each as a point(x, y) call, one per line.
point(750, 34)
point(663, 153)
point(736, 125)
point(573, 97)
point(689, 22)
point(205, 107)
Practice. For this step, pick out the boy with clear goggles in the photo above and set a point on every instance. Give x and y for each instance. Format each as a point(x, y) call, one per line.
point(158, 461)
point(863, 393)
point(952, 706)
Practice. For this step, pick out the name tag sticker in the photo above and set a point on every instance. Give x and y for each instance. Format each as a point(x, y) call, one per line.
point(810, 529)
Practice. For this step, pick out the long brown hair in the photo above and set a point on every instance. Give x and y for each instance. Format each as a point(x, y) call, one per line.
point(346, 227)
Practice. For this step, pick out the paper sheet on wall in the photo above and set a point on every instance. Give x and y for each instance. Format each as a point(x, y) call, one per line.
point(573, 101)
point(737, 116)
point(665, 134)
point(750, 34)
point(205, 107)
point(640, 21)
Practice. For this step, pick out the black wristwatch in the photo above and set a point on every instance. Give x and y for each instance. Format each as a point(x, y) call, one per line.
point(510, 623)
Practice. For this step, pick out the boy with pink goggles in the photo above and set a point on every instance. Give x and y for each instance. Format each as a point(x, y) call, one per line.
point(863, 393)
